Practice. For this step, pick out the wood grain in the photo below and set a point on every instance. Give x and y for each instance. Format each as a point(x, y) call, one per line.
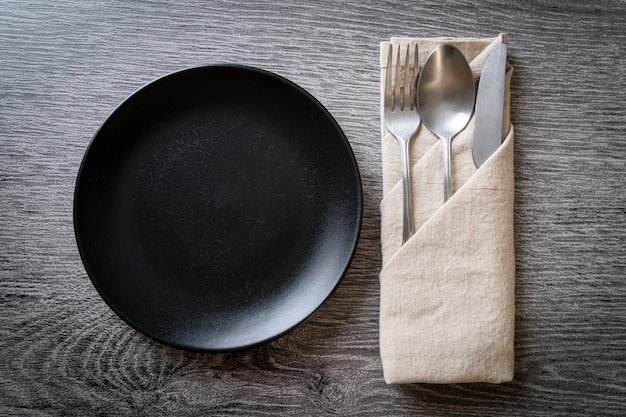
point(64, 66)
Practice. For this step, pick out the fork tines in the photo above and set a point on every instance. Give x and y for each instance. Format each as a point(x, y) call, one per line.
point(403, 78)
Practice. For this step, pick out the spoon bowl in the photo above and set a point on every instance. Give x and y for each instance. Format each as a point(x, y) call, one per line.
point(445, 99)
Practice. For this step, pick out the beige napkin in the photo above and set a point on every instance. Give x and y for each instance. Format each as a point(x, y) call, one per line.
point(447, 295)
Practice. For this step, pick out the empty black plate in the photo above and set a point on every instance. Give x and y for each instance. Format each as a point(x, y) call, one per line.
point(217, 208)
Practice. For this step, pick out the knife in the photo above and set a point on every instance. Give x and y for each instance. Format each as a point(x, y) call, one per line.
point(489, 107)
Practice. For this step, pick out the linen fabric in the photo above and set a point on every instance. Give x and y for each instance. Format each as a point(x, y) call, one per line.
point(447, 296)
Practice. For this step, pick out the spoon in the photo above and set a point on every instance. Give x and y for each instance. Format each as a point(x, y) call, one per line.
point(445, 99)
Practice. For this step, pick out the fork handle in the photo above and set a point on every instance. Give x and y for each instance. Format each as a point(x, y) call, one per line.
point(407, 206)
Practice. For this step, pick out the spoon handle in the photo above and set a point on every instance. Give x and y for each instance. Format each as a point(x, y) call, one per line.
point(446, 169)
point(407, 206)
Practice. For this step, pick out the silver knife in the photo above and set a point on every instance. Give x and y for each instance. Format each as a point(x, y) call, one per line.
point(489, 107)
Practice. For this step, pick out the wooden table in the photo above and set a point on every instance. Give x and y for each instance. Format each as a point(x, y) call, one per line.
point(65, 65)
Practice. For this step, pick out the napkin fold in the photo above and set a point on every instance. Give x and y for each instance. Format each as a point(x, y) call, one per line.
point(447, 301)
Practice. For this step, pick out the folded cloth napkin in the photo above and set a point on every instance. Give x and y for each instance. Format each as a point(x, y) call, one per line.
point(447, 303)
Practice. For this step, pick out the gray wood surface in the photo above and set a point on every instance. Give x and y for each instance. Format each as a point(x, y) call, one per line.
point(65, 65)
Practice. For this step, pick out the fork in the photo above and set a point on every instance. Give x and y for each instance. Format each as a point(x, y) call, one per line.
point(403, 121)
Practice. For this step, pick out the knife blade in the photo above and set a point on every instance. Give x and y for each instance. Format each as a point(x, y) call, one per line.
point(489, 107)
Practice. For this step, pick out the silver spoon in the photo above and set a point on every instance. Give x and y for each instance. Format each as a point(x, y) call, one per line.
point(445, 99)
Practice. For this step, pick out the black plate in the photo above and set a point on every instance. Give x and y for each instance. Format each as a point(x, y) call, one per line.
point(217, 208)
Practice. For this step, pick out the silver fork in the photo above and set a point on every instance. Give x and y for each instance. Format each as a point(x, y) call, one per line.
point(403, 121)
